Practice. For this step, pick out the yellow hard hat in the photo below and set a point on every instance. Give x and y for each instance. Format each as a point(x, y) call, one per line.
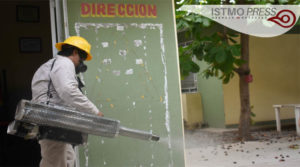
point(78, 42)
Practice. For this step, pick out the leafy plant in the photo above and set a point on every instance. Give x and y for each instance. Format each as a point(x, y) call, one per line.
point(218, 46)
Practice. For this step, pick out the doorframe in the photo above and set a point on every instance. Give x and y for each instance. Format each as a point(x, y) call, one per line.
point(59, 32)
point(59, 22)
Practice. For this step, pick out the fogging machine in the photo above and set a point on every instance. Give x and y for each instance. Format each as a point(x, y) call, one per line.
point(42, 121)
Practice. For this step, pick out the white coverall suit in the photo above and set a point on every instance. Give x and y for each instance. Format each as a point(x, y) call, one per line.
point(65, 92)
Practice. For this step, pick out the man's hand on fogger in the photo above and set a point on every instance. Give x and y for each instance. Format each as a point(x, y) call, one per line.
point(100, 114)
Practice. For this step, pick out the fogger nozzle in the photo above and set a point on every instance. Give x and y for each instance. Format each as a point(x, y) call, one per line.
point(155, 138)
point(66, 118)
point(137, 134)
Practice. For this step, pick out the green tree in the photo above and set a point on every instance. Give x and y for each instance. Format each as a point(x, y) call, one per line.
point(217, 45)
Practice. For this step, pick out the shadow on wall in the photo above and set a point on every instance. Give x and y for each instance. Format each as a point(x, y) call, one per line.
point(19, 61)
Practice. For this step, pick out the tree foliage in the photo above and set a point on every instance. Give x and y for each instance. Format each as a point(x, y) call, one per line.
point(217, 46)
point(210, 41)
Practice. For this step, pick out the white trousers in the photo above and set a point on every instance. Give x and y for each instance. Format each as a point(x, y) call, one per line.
point(56, 154)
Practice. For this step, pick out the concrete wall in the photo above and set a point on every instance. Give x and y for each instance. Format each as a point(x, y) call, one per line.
point(192, 110)
point(134, 78)
point(212, 99)
point(274, 64)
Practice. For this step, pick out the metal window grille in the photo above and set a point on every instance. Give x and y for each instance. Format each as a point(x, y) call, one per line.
point(189, 84)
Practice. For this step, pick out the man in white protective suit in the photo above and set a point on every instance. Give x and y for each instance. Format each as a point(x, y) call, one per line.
point(55, 82)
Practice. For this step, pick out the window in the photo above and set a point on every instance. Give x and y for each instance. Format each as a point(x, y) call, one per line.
point(189, 84)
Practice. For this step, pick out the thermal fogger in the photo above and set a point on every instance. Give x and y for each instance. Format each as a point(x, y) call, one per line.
point(38, 120)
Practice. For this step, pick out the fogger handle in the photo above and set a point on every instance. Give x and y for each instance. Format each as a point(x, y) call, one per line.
point(138, 134)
